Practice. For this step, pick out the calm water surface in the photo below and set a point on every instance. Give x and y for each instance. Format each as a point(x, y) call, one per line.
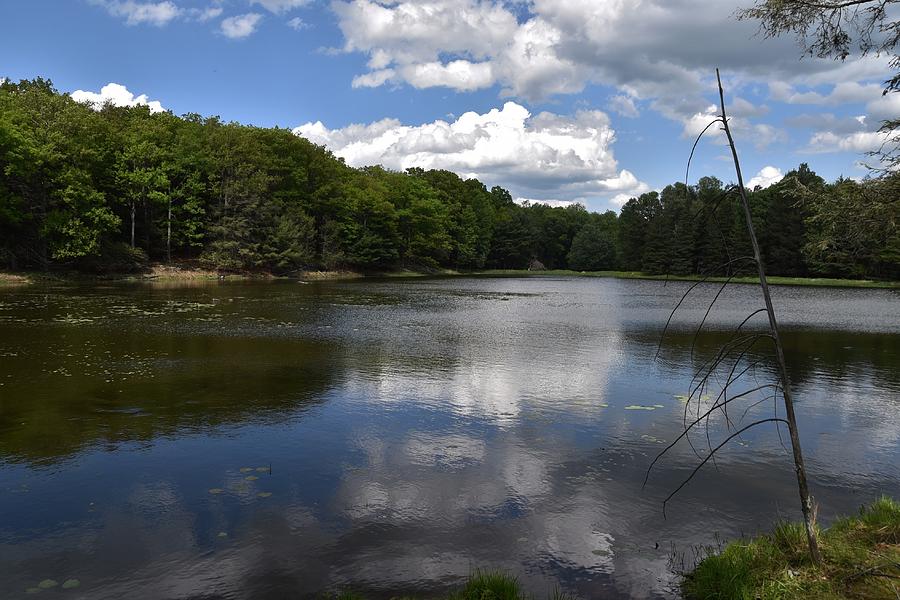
point(281, 440)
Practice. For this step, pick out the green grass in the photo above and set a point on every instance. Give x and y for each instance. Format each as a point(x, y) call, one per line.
point(774, 280)
point(861, 560)
point(481, 585)
point(487, 585)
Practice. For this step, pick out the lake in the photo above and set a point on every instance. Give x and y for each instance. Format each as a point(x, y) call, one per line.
point(281, 440)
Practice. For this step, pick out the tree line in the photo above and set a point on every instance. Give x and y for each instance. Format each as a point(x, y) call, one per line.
point(113, 189)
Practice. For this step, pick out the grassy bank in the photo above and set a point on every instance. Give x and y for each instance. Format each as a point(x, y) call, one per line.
point(774, 280)
point(482, 585)
point(14, 279)
point(861, 557)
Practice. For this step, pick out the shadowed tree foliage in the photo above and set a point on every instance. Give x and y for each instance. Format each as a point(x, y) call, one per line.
point(787, 206)
point(634, 226)
point(854, 229)
point(594, 246)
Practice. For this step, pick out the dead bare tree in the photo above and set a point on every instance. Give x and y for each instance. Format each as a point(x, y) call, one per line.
point(735, 359)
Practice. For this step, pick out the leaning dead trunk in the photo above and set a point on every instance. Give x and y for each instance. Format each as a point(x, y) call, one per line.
point(803, 487)
point(734, 360)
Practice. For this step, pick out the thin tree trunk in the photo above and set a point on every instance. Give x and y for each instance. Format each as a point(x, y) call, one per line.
point(805, 499)
point(132, 223)
point(169, 233)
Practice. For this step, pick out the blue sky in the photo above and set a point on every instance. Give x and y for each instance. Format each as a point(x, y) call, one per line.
point(564, 100)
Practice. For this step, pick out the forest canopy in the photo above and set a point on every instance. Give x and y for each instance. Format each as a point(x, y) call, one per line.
point(111, 190)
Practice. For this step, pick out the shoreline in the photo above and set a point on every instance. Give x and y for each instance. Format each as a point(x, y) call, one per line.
point(176, 273)
point(772, 279)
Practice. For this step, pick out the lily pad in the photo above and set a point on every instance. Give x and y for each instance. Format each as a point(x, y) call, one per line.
point(222, 534)
point(262, 469)
point(69, 584)
point(216, 490)
point(47, 584)
point(251, 478)
point(639, 407)
point(264, 494)
point(246, 469)
point(658, 406)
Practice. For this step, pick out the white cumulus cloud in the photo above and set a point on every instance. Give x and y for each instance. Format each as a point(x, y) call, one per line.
point(240, 26)
point(862, 141)
point(373, 78)
point(767, 176)
point(761, 135)
point(136, 13)
point(885, 106)
point(559, 46)
point(842, 93)
point(461, 75)
point(858, 133)
point(117, 95)
point(543, 157)
point(541, 48)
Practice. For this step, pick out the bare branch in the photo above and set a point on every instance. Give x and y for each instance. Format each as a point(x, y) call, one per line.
point(713, 453)
point(687, 169)
point(730, 339)
point(699, 419)
point(706, 315)
point(689, 290)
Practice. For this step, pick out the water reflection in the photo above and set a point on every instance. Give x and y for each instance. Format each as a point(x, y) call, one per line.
point(272, 440)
